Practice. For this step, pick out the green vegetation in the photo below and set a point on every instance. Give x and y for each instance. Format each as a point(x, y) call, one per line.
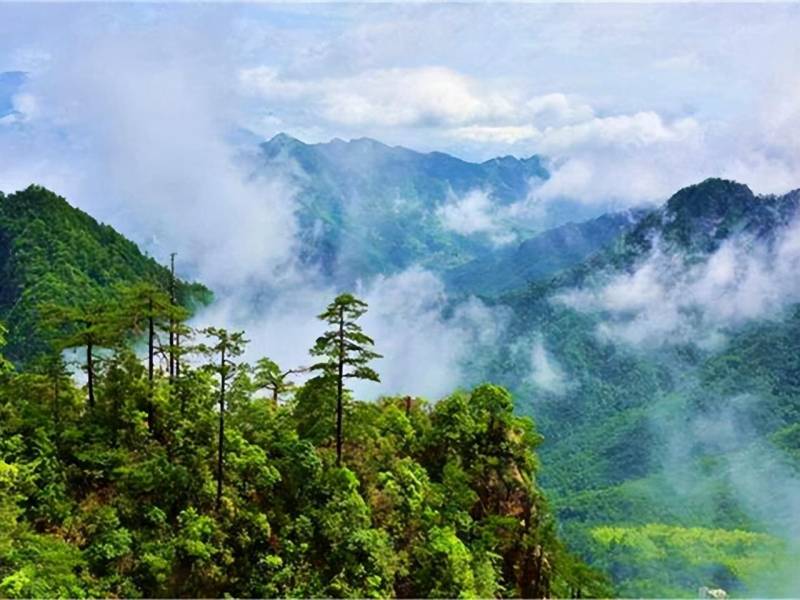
point(367, 209)
point(197, 484)
point(677, 435)
point(658, 560)
point(54, 254)
point(164, 476)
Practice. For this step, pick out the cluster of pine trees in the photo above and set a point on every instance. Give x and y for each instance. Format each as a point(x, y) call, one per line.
point(176, 469)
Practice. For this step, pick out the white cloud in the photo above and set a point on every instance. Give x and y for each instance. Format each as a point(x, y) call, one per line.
point(476, 213)
point(425, 96)
point(559, 109)
point(423, 353)
point(546, 372)
point(138, 126)
point(670, 298)
point(635, 131)
point(504, 134)
point(680, 62)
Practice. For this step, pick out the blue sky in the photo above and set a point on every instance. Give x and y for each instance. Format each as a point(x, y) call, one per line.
point(627, 102)
point(134, 112)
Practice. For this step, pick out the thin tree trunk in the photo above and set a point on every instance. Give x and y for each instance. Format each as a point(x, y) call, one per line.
point(90, 372)
point(57, 411)
point(177, 354)
point(275, 396)
point(221, 427)
point(339, 385)
point(150, 342)
point(151, 417)
point(171, 319)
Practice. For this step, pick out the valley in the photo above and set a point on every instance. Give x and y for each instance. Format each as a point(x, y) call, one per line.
point(665, 418)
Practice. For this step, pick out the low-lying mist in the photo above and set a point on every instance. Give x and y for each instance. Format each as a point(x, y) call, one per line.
point(708, 444)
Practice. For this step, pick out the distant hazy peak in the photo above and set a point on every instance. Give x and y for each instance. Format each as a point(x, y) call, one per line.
point(714, 198)
point(283, 141)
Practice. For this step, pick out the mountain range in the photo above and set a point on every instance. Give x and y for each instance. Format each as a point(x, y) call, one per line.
point(656, 348)
point(366, 208)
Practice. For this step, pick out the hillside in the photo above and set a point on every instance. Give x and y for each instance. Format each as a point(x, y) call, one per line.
point(542, 255)
point(51, 252)
point(367, 208)
point(671, 397)
point(657, 350)
point(198, 484)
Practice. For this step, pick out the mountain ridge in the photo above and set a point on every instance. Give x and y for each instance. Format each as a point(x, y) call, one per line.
point(52, 252)
point(631, 430)
point(367, 208)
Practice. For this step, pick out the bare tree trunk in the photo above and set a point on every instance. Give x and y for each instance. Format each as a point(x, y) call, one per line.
point(90, 372)
point(151, 417)
point(221, 428)
point(339, 386)
point(171, 319)
point(177, 354)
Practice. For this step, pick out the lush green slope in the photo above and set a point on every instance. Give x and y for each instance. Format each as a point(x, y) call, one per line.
point(657, 456)
point(509, 267)
point(53, 253)
point(674, 432)
point(101, 500)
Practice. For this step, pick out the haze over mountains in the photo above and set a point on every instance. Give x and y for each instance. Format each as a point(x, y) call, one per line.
point(366, 208)
point(656, 348)
point(589, 205)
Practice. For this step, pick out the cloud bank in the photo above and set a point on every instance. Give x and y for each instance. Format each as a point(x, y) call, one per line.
point(424, 352)
point(672, 298)
point(137, 113)
point(546, 372)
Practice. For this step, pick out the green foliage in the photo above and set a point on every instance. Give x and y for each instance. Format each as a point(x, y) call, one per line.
point(347, 351)
point(436, 500)
point(54, 254)
point(663, 560)
point(674, 434)
point(346, 347)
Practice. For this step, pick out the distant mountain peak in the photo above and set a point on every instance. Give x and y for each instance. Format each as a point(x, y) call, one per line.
point(282, 138)
point(700, 217)
point(281, 141)
point(712, 198)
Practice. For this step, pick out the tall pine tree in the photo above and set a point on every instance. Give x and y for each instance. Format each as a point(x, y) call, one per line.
point(347, 350)
point(223, 348)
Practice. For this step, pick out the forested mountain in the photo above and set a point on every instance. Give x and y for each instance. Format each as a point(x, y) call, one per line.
point(368, 208)
point(657, 351)
point(53, 253)
point(514, 265)
point(663, 373)
point(221, 479)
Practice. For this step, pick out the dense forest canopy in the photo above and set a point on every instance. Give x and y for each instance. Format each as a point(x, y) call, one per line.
point(177, 464)
point(198, 483)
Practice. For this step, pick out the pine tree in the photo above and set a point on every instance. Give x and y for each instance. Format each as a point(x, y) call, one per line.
point(225, 346)
point(146, 308)
point(90, 327)
point(347, 349)
point(268, 376)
